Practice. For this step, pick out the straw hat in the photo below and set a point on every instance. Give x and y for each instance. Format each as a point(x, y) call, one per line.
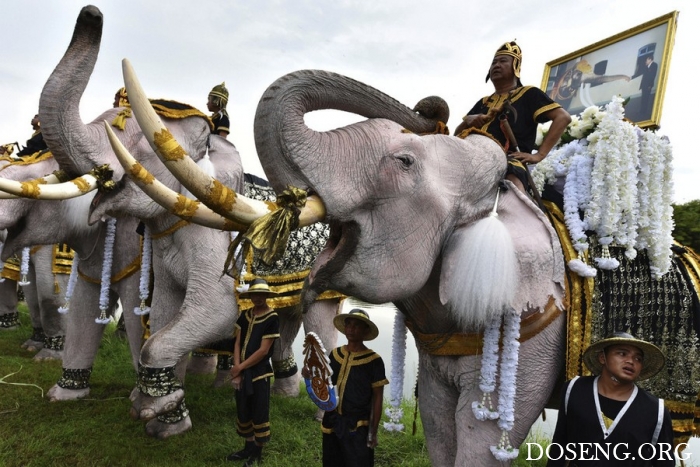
point(654, 359)
point(357, 313)
point(257, 286)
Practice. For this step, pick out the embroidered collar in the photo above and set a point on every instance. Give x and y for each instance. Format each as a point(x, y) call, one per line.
point(608, 431)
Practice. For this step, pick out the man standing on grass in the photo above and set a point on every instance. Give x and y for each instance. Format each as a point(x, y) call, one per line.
point(350, 431)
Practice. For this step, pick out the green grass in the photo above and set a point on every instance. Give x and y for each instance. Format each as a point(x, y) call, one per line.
point(97, 431)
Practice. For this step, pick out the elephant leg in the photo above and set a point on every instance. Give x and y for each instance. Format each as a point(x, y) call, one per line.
point(36, 341)
point(9, 316)
point(287, 377)
point(438, 402)
point(50, 300)
point(83, 336)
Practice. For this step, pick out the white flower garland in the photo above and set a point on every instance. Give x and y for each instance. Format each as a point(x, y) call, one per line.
point(24, 267)
point(72, 280)
point(145, 278)
point(612, 211)
point(398, 361)
point(506, 389)
point(489, 368)
point(655, 188)
point(107, 271)
point(622, 181)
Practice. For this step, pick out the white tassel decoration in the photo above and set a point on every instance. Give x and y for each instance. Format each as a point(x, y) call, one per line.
point(145, 279)
point(398, 361)
point(24, 268)
point(107, 271)
point(72, 279)
point(506, 389)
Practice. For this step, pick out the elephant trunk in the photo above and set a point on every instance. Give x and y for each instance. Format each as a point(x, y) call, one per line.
point(68, 138)
point(286, 145)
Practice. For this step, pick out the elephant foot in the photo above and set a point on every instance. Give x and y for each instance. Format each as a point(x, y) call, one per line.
point(32, 345)
point(145, 407)
point(201, 364)
point(57, 393)
point(48, 354)
point(287, 387)
point(163, 430)
point(223, 377)
point(318, 416)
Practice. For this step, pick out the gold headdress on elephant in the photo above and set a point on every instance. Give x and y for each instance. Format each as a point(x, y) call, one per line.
point(122, 100)
point(219, 95)
point(512, 50)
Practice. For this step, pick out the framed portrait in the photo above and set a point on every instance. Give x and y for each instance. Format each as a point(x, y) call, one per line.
point(632, 64)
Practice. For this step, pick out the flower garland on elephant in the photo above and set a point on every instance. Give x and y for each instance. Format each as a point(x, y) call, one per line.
point(617, 191)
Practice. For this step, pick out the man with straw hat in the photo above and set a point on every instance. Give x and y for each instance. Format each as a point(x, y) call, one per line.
point(606, 419)
point(350, 431)
point(255, 332)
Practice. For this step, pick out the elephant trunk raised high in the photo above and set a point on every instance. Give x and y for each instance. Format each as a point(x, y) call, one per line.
point(70, 140)
point(286, 145)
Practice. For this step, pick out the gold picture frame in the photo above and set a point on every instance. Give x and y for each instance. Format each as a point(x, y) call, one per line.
point(633, 64)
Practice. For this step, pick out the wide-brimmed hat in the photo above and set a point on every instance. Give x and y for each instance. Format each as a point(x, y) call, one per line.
point(357, 313)
point(257, 286)
point(654, 359)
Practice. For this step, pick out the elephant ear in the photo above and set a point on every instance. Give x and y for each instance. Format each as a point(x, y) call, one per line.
point(512, 261)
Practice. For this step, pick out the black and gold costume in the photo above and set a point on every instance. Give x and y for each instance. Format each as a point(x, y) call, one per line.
point(34, 144)
point(345, 429)
point(642, 423)
point(253, 398)
point(530, 103)
point(221, 122)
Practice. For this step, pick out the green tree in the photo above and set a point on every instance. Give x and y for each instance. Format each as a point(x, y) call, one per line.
point(687, 219)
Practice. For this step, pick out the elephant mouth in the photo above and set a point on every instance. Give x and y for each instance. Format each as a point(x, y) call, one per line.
point(340, 247)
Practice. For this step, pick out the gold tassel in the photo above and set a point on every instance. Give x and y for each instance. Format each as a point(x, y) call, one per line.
point(268, 235)
point(56, 287)
point(120, 120)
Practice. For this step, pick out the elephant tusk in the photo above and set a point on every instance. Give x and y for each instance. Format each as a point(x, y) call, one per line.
point(210, 191)
point(186, 208)
point(41, 188)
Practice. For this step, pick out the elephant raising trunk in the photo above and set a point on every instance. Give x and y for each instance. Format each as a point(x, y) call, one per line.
point(406, 215)
point(280, 128)
point(68, 137)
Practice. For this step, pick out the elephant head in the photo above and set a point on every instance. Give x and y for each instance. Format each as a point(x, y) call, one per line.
point(411, 223)
point(398, 203)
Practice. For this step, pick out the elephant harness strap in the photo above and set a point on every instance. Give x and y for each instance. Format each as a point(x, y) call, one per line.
point(462, 344)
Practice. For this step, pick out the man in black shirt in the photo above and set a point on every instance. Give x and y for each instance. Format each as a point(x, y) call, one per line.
point(607, 420)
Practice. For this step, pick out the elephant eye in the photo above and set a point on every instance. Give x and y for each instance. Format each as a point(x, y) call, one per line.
point(406, 161)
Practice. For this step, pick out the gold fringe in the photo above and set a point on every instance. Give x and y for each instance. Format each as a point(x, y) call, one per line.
point(170, 230)
point(131, 268)
point(120, 120)
point(461, 344)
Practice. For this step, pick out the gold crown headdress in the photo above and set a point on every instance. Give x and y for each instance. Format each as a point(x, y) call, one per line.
point(220, 93)
point(123, 98)
point(513, 50)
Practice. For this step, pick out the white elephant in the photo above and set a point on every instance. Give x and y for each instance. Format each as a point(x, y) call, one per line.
point(31, 221)
point(394, 237)
point(193, 303)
